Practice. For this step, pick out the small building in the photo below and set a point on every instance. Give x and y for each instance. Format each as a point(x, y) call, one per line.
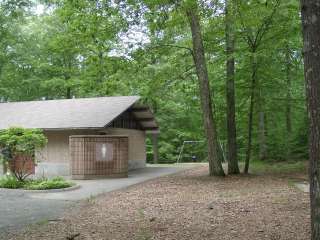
point(87, 137)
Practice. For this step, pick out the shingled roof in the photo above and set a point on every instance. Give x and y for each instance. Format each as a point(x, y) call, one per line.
point(81, 113)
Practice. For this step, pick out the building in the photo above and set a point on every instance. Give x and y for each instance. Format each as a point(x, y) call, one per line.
point(87, 137)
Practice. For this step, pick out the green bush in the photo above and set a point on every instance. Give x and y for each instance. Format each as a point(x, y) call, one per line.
point(15, 142)
point(55, 183)
point(34, 184)
point(10, 182)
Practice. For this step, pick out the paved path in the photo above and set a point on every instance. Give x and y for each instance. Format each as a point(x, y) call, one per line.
point(19, 208)
point(91, 188)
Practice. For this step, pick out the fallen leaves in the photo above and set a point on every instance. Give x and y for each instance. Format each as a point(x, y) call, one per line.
point(191, 206)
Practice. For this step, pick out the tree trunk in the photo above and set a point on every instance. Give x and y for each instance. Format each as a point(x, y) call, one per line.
point(251, 107)
point(288, 102)
point(233, 167)
point(100, 67)
point(215, 166)
point(310, 11)
point(262, 136)
point(261, 124)
point(68, 93)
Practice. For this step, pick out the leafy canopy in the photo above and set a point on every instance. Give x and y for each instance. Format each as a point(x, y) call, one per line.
point(22, 141)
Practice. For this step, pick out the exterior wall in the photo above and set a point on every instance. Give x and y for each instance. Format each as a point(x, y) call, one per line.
point(54, 159)
point(137, 146)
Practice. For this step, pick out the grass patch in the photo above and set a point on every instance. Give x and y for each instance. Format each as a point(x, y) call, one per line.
point(277, 167)
point(35, 184)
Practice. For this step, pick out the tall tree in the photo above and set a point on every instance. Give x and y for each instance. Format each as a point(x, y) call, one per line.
point(215, 166)
point(254, 34)
point(233, 167)
point(288, 96)
point(310, 11)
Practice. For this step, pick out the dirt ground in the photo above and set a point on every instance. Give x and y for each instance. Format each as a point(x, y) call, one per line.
point(188, 205)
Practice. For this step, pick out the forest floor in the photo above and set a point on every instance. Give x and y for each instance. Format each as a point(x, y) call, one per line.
point(191, 205)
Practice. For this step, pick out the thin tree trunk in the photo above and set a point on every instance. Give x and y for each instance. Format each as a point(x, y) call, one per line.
point(233, 167)
point(310, 11)
point(68, 93)
point(215, 166)
point(288, 102)
point(262, 136)
point(67, 76)
point(261, 124)
point(100, 67)
point(251, 107)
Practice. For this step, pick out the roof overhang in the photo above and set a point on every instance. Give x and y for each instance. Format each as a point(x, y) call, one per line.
point(144, 115)
point(75, 114)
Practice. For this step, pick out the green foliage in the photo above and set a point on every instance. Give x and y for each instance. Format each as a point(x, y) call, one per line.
point(10, 182)
point(259, 167)
point(22, 141)
point(96, 48)
point(43, 184)
point(15, 142)
point(34, 184)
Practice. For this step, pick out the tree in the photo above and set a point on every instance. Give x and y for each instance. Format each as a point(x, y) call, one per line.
point(254, 33)
point(12, 14)
point(20, 143)
point(310, 11)
point(97, 48)
point(215, 166)
point(233, 167)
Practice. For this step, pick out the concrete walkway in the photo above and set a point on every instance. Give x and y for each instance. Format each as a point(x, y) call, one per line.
point(19, 208)
point(91, 188)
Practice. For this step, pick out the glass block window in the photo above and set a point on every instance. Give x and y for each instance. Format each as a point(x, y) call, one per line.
point(103, 151)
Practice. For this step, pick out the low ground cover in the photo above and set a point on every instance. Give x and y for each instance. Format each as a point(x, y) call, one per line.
point(191, 205)
point(34, 184)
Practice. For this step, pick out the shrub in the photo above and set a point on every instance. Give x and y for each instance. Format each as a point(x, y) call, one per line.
point(55, 183)
point(10, 182)
point(20, 143)
point(34, 184)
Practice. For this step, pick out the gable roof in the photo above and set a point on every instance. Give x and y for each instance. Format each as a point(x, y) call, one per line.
point(81, 113)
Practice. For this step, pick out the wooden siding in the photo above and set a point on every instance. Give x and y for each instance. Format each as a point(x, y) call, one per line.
point(125, 120)
point(89, 161)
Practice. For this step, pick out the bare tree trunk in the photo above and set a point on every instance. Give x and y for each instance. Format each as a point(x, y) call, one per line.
point(310, 11)
point(215, 166)
point(233, 167)
point(288, 102)
point(251, 107)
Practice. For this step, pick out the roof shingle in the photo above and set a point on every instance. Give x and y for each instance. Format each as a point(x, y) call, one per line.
point(64, 114)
